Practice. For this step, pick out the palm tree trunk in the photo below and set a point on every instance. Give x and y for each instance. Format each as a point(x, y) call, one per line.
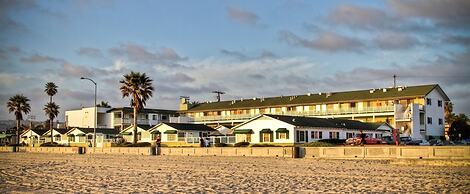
point(50, 126)
point(135, 125)
point(17, 141)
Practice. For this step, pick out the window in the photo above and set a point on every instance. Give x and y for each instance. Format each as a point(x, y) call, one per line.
point(440, 121)
point(171, 137)
point(349, 135)
point(300, 136)
point(428, 101)
point(334, 135)
point(266, 137)
point(429, 120)
point(154, 117)
point(164, 117)
point(439, 103)
point(56, 138)
point(316, 135)
point(282, 136)
point(378, 135)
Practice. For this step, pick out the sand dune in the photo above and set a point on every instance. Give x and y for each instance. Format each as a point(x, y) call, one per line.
point(61, 173)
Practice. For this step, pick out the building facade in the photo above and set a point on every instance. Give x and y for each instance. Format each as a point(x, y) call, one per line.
point(118, 118)
point(417, 111)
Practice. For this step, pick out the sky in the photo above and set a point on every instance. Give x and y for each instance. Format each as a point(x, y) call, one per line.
point(244, 48)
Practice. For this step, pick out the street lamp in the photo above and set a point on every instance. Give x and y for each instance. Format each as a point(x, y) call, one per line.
point(95, 115)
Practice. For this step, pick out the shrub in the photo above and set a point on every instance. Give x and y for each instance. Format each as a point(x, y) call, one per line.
point(242, 144)
point(123, 144)
point(220, 145)
point(264, 145)
point(140, 144)
point(51, 144)
point(333, 141)
point(318, 144)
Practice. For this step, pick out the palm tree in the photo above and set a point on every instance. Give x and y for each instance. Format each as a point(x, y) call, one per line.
point(18, 104)
point(52, 110)
point(139, 87)
point(51, 90)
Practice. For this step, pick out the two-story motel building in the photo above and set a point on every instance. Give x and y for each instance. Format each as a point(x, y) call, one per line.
point(417, 111)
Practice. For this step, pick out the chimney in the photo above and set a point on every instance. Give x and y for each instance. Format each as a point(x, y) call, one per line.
point(184, 103)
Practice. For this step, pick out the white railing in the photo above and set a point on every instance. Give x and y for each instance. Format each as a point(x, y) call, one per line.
point(344, 111)
point(212, 140)
point(129, 121)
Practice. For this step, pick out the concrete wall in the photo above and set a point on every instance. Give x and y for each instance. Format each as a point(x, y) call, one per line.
point(251, 151)
point(382, 152)
point(121, 150)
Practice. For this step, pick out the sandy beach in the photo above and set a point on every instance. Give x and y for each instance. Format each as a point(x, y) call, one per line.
point(61, 173)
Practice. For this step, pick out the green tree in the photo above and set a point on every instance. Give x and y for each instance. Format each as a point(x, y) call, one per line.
point(51, 90)
point(139, 88)
point(19, 105)
point(51, 110)
point(460, 128)
point(104, 104)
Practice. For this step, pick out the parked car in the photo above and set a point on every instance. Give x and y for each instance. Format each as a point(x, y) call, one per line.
point(388, 140)
point(357, 140)
point(405, 140)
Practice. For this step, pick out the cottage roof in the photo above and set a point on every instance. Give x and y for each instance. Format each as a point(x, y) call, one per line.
point(190, 126)
point(318, 98)
point(145, 110)
point(99, 130)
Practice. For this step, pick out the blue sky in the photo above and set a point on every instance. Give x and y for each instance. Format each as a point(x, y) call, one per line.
point(245, 48)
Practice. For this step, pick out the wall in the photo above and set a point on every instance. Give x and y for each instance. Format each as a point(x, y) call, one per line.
point(435, 112)
point(268, 123)
point(227, 151)
point(85, 117)
point(121, 150)
point(388, 152)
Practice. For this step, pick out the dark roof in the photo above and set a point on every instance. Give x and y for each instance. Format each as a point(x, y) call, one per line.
point(316, 98)
point(62, 130)
point(144, 127)
point(328, 123)
point(190, 126)
point(40, 131)
point(100, 130)
point(145, 110)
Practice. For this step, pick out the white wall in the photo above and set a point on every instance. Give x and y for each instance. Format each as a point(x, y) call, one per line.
point(268, 123)
point(435, 113)
point(85, 118)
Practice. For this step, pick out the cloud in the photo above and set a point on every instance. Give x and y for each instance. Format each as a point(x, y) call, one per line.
point(78, 71)
point(394, 41)
point(455, 13)
point(90, 52)
point(241, 56)
point(324, 41)
point(456, 39)
point(360, 17)
point(179, 77)
point(36, 58)
point(242, 16)
point(140, 54)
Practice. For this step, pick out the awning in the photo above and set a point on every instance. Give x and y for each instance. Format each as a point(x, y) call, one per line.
point(81, 134)
point(155, 132)
point(242, 131)
point(46, 135)
point(170, 132)
point(266, 131)
point(57, 135)
point(71, 135)
point(282, 130)
point(126, 133)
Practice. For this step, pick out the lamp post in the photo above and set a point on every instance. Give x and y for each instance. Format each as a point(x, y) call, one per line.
point(95, 115)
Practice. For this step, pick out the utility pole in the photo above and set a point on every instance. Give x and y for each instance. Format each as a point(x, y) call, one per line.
point(394, 81)
point(218, 94)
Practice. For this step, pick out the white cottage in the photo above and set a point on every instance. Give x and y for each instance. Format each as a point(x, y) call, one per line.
point(60, 136)
point(84, 136)
point(143, 134)
point(289, 130)
point(181, 133)
point(33, 137)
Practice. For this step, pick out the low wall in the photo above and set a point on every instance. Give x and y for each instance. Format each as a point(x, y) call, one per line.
point(230, 151)
point(121, 150)
point(405, 152)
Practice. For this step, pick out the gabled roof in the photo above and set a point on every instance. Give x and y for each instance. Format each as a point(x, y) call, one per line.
point(320, 122)
point(317, 98)
point(145, 110)
point(143, 127)
point(189, 126)
point(39, 131)
point(98, 130)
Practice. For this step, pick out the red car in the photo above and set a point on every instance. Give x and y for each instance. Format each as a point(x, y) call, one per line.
point(357, 140)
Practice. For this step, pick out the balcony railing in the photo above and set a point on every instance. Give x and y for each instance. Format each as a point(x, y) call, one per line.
point(345, 111)
point(120, 121)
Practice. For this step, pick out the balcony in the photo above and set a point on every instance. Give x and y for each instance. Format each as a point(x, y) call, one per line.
point(347, 111)
point(124, 121)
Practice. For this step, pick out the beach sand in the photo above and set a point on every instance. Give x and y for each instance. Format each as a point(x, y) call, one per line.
point(62, 173)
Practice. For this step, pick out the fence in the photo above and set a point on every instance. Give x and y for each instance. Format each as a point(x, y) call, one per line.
point(231, 151)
